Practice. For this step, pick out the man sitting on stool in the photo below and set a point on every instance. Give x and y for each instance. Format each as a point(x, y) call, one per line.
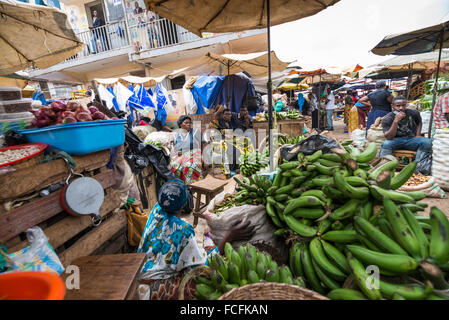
point(402, 129)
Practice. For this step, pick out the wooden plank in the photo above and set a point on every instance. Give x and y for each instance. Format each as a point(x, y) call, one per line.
point(94, 238)
point(70, 226)
point(114, 245)
point(27, 180)
point(16, 221)
point(107, 277)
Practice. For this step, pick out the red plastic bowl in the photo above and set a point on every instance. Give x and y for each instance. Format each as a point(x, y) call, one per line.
point(39, 145)
point(31, 285)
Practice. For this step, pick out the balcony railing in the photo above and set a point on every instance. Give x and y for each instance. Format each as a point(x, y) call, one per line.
point(159, 33)
point(105, 38)
point(143, 36)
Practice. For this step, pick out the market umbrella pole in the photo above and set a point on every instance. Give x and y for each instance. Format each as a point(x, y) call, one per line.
point(270, 96)
point(435, 87)
point(409, 80)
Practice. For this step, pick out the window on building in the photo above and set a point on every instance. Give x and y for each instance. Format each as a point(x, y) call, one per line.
point(178, 82)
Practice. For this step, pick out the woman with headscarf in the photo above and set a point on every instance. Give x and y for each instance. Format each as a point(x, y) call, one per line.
point(170, 245)
point(301, 101)
point(186, 161)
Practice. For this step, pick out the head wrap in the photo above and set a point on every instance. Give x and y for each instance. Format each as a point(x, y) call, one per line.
point(173, 195)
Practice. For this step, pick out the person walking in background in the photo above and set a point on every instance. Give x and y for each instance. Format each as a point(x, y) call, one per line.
point(380, 101)
point(362, 110)
point(330, 106)
point(314, 109)
point(301, 100)
point(348, 105)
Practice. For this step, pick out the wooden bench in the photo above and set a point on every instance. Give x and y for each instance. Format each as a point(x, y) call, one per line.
point(209, 187)
point(107, 277)
point(400, 154)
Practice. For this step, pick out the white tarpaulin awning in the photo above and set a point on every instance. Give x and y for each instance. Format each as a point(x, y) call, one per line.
point(131, 79)
point(34, 35)
point(255, 64)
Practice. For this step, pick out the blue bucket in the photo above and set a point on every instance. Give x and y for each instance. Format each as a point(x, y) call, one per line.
point(80, 138)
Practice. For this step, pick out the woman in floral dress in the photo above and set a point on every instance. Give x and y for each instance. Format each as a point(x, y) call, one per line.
point(170, 245)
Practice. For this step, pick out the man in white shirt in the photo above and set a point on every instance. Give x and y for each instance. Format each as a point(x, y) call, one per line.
point(330, 106)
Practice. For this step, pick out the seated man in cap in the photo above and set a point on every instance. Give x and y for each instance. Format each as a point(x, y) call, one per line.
point(170, 245)
point(402, 129)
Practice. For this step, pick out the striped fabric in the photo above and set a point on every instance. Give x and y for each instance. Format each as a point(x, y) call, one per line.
point(441, 107)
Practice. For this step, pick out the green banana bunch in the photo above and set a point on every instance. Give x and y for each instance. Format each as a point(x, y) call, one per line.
point(238, 268)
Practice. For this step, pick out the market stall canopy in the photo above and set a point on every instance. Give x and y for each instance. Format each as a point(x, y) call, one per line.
point(423, 61)
point(148, 81)
point(326, 77)
point(34, 35)
point(288, 86)
point(233, 15)
point(414, 42)
point(260, 83)
point(255, 64)
point(17, 79)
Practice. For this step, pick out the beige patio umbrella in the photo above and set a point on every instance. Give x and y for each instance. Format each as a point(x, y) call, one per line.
point(34, 35)
point(220, 16)
point(255, 64)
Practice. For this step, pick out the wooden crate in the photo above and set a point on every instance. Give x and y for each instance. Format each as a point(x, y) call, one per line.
point(290, 127)
point(70, 236)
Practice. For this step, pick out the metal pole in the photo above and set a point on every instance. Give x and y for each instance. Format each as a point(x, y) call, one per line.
point(435, 87)
point(319, 103)
point(269, 88)
point(409, 80)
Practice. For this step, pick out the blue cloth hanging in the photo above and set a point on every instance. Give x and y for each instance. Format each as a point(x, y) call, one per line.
point(161, 102)
point(236, 88)
point(114, 100)
point(205, 90)
point(144, 98)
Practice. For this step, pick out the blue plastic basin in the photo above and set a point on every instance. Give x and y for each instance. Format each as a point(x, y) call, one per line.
point(80, 138)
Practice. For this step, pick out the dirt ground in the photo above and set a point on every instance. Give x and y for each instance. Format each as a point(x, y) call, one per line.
point(339, 134)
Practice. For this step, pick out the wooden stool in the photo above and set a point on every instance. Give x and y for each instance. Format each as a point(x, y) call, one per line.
point(399, 154)
point(210, 187)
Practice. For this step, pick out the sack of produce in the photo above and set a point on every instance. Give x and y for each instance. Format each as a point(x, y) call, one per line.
point(426, 184)
point(440, 149)
point(358, 137)
point(219, 224)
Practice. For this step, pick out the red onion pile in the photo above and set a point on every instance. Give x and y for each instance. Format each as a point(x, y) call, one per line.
point(60, 113)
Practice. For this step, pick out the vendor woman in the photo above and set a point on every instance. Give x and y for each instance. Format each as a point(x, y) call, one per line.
point(170, 245)
point(186, 162)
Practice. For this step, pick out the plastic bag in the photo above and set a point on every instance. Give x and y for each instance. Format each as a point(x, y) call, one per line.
point(136, 224)
point(424, 166)
point(140, 155)
point(309, 146)
point(191, 107)
point(38, 256)
point(219, 225)
point(358, 137)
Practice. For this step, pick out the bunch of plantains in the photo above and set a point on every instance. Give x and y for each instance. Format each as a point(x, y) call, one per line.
point(345, 216)
point(239, 268)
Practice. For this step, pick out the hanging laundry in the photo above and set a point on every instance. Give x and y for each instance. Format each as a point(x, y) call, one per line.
point(122, 94)
point(106, 95)
point(114, 100)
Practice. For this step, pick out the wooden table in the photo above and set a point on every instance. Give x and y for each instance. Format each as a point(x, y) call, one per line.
point(107, 277)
